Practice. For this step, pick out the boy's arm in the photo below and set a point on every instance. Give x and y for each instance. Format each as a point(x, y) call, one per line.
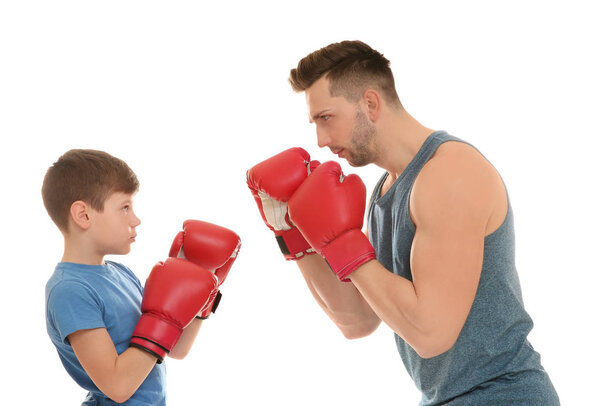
point(117, 376)
point(183, 346)
point(175, 291)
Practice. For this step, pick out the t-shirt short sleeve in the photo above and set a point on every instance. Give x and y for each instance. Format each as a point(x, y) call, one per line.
point(73, 306)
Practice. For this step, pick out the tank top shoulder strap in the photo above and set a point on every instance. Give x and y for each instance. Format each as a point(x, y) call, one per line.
point(404, 182)
point(410, 173)
point(429, 147)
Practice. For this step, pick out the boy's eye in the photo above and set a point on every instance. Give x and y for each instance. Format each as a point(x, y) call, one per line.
point(325, 117)
point(125, 209)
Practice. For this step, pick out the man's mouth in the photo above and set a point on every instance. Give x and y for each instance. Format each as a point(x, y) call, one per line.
point(338, 152)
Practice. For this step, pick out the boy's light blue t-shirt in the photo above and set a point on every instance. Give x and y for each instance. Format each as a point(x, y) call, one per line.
point(98, 296)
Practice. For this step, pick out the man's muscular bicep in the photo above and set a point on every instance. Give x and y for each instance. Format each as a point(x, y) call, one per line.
point(450, 204)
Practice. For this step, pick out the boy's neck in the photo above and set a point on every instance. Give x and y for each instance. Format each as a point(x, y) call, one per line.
point(80, 253)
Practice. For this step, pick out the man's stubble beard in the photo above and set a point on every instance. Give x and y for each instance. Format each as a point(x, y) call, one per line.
point(363, 144)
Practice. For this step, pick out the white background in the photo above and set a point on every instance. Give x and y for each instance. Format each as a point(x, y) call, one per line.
point(192, 94)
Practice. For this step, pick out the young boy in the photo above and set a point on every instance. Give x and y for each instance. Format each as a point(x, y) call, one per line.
point(109, 340)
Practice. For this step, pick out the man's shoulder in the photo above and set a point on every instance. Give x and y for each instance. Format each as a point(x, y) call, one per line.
point(459, 178)
point(457, 158)
point(455, 149)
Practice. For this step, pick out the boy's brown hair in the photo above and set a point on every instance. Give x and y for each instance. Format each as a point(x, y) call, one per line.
point(87, 175)
point(351, 67)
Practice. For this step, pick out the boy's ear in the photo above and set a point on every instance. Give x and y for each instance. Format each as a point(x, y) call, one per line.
point(80, 214)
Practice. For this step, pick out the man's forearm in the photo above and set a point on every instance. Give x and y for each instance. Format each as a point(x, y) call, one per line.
point(420, 322)
point(342, 302)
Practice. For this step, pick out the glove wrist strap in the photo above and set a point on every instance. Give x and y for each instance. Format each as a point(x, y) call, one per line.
point(348, 252)
point(292, 244)
point(156, 334)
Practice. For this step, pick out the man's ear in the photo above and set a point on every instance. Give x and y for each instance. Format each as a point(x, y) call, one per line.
point(80, 214)
point(373, 103)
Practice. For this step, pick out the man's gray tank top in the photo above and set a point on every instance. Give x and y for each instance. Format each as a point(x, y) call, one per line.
point(492, 362)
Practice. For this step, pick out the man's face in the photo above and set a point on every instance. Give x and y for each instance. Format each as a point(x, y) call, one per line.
point(113, 229)
point(342, 126)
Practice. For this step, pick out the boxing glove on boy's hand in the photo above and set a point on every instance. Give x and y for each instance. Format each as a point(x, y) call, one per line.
point(328, 208)
point(272, 183)
point(212, 247)
point(175, 292)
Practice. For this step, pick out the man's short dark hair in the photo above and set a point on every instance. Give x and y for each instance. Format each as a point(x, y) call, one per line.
point(351, 67)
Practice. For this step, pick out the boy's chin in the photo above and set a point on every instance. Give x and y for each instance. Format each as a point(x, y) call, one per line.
point(121, 251)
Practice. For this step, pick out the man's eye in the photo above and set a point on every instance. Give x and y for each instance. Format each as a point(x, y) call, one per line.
point(325, 117)
point(125, 209)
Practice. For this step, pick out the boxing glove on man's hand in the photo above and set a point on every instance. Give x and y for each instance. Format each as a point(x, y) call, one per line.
point(328, 209)
point(212, 247)
point(272, 183)
point(175, 292)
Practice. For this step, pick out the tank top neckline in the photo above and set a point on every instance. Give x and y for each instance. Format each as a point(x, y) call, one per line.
point(410, 168)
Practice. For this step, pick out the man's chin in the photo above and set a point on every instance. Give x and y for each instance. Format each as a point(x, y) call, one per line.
point(355, 164)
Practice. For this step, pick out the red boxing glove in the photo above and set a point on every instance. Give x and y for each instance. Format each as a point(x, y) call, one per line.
point(272, 183)
point(175, 292)
point(328, 208)
point(212, 247)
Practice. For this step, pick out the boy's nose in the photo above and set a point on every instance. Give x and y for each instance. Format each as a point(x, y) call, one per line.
point(136, 221)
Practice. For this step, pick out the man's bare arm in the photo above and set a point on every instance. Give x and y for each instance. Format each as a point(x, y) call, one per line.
point(454, 204)
point(341, 301)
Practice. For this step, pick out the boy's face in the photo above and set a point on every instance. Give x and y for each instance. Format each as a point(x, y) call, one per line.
point(113, 229)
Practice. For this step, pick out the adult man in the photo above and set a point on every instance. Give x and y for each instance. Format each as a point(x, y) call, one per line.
point(439, 222)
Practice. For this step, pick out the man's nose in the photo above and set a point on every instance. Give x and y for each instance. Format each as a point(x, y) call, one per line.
point(322, 139)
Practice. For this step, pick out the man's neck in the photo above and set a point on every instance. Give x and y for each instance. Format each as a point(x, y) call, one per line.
point(400, 138)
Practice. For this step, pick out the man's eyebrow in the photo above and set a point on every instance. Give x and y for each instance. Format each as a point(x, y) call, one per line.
point(317, 115)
